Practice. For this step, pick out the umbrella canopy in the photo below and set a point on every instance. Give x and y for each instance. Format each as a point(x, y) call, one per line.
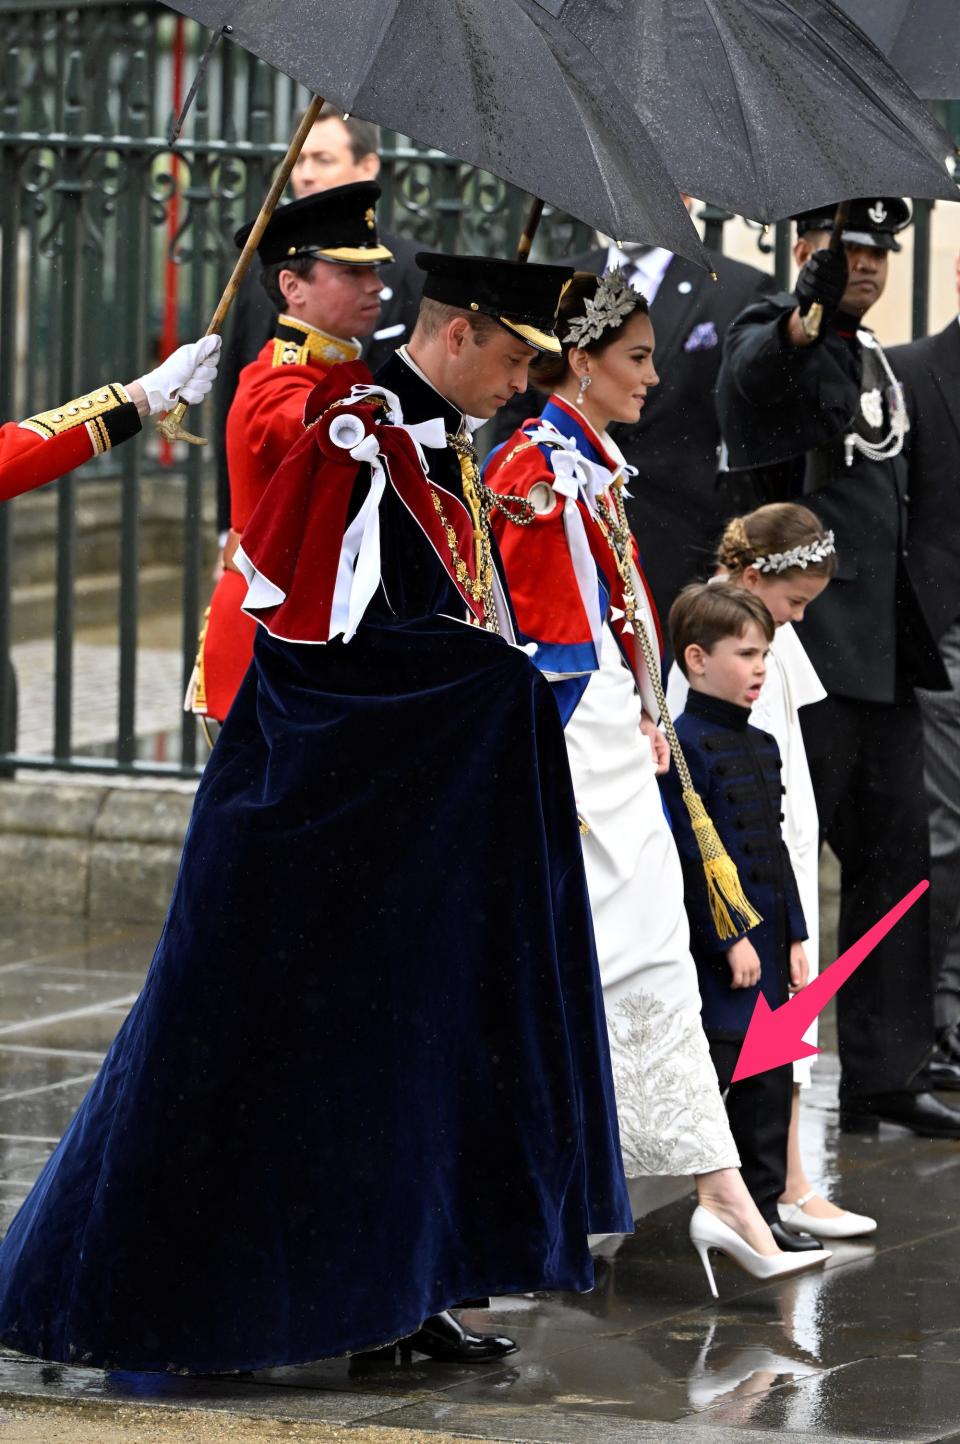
point(768, 107)
point(498, 83)
point(921, 38)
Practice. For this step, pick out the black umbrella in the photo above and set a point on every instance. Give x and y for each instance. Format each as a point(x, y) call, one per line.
point(768, 107)
point(921, 38)
point(498, 83)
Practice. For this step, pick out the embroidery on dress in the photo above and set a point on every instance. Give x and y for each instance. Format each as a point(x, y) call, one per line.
point(671, 1115)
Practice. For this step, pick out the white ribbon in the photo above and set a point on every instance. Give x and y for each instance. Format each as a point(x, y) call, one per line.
point(358, 570)
point(574, 475)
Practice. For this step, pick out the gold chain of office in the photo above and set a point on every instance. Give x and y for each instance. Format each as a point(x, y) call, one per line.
point(480, 501)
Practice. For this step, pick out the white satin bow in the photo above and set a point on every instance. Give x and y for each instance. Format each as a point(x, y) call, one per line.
point(573, 475)
point(358, 570)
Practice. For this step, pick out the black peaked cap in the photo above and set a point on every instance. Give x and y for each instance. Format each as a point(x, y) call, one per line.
point(339, 224)
point(520, 296)
point(873, 221)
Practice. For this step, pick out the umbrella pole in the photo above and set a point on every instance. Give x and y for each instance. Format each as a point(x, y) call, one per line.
point(169, 426)
point(814, 317)
point(529, 229)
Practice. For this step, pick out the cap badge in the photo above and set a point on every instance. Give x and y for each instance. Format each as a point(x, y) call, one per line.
point(370, 216)
point(871, 404)
point(877, 213)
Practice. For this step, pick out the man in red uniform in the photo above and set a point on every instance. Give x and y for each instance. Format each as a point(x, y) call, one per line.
point(46, 446)
point(320, 257)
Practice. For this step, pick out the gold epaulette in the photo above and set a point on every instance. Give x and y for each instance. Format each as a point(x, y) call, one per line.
point(93, 411)
point(525, 446)
point(297, 344)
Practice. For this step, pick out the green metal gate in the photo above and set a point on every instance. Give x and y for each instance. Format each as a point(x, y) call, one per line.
point(105, 234)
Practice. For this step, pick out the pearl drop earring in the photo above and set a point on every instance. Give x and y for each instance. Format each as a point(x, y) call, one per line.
point(584, 383)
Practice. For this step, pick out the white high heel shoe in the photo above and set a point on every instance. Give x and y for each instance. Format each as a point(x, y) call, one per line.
point(849, 1225)
point(708, 1231)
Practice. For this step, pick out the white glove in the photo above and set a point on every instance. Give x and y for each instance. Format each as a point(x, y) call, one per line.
point(187, 375)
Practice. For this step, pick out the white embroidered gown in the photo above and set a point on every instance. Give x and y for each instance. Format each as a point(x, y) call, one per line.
point(672, 1119)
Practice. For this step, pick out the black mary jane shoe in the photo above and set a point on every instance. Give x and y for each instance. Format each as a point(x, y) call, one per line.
point(790, 1242)
point(444, 1338)
point(922, 1113)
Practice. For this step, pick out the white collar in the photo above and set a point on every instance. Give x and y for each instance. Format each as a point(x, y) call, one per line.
point(651, 267)
point(474, 423)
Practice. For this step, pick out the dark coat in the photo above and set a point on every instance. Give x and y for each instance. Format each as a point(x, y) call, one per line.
point(252, 321)
point(930, 372)
point(784, 412)
point(736, 770)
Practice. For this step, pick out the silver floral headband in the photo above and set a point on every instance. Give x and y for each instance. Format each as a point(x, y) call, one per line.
point(802, 556)
point(613, 302)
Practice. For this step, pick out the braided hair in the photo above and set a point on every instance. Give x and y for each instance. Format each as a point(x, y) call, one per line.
point(775, 528)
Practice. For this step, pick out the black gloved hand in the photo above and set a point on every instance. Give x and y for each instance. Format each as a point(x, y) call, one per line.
point(823, 279)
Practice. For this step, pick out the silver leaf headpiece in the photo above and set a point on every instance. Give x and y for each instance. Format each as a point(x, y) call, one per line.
point(802, 556)
point(613, 302)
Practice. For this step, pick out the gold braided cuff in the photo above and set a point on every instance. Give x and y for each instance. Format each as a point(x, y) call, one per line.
point(108, 414)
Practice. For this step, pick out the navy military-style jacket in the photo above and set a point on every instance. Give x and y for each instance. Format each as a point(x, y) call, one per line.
point(736, 770)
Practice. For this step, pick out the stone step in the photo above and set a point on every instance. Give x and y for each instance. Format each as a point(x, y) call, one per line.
point(97, 518)
point(91, 849)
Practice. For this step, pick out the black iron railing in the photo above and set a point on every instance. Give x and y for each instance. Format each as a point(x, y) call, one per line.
point(113, 246)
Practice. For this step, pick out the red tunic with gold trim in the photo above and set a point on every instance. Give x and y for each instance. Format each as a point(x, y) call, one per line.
point(264, 421)
point(564, 577)
point(47, 446)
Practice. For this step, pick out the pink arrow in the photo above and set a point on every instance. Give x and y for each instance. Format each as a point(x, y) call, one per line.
point(776, 1037)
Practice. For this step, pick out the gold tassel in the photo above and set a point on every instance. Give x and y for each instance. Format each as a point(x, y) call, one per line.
point(196, 698)
point(730, 908)
point(729, 904)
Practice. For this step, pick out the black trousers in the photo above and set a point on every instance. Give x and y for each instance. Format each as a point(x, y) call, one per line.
point(866, 761)
point(759, 1112)
point(941, 735)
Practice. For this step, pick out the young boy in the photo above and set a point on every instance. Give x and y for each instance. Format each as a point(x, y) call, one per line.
point(720, 637)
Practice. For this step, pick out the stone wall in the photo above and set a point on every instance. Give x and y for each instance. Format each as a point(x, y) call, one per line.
point(110, 850)
point(93, 850)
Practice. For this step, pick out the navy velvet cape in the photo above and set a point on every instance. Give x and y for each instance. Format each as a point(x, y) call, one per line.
point(367, 1075)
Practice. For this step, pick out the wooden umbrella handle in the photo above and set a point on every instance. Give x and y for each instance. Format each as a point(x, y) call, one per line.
point(529, 229)
point(169, 426)
point(813, 320)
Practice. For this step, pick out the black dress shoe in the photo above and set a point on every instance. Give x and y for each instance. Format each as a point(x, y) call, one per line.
point(942, 1071)
point(444, 1338)
point(793, 1242)
point(922, 1113)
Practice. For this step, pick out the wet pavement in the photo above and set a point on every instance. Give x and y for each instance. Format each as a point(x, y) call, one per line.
point(869, 1350)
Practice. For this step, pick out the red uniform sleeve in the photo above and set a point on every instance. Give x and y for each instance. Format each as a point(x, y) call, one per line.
point(47, 446)
point(536, 557)
point(265, 419)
